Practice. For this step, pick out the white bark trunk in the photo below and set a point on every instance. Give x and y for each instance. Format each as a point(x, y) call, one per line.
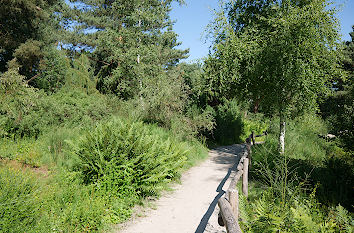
point(282, 135)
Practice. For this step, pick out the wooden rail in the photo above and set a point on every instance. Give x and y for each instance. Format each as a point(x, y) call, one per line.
point(229, 204)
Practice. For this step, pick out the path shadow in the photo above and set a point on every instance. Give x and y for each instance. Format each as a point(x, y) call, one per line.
point(223, 158)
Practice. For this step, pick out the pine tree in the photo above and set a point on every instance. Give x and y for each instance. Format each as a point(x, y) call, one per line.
point(131, 41)
point(25, 28)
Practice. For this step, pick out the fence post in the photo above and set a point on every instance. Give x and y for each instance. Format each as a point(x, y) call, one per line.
point(248, 146)
point(233, 199)
point(227, 216)
point(253, 138)
point(245, 177)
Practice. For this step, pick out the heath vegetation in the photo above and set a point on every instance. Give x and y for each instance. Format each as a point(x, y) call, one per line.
point(98, 110)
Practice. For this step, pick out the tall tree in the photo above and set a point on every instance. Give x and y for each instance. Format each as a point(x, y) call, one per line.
point(25, 26)
point(131, 41)
point(282, 57)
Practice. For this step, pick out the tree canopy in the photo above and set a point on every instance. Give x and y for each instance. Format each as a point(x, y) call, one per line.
point(131, 41)
point(281, 58)
point(25, 26)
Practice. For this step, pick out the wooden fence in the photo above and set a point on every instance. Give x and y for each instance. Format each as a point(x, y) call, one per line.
point(228, 204)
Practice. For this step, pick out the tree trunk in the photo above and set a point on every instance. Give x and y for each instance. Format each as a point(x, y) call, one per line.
point(256, 105)
point(282, 134)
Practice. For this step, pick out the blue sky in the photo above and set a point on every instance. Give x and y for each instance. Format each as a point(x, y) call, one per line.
point(192, 18)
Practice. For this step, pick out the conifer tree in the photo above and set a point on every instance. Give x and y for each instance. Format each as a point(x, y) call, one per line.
point(131, 41)
point(25, 27)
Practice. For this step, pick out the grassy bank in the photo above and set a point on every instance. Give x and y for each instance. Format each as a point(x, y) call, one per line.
point(308, 189)
point(90, 177)
point(77, 162)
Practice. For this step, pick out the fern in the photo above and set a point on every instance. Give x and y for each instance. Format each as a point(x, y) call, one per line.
point(119, 154)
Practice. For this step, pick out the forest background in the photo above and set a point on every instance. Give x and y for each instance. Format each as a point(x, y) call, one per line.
point(97, 109)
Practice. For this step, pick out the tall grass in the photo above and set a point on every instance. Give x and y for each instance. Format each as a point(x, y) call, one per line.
point(19, 203)
point(30, 203)
point(292, 191)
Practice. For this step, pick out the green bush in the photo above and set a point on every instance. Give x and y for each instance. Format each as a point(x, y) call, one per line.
point(25, 111)
point(167, 105)
point(288, 200)
point(253, 123)
point(301, 213)
point(229, 124)
point(129, 157)
point(338, 111)
point(195, 123)
point(17, 102)
point(53, 70)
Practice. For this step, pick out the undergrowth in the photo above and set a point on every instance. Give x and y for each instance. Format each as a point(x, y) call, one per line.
point(232, 127)
point(57, 204)
point(108, 167)
point(299, 191)
point(125, 157)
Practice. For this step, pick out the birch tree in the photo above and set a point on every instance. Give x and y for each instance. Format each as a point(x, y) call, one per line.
point(281, 53)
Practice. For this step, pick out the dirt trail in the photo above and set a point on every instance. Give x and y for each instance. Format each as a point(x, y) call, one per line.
point(192, 206)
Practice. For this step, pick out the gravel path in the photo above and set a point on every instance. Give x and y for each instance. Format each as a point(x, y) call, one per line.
point(192, 206)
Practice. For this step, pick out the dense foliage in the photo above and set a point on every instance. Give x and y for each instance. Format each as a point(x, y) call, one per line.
point(97, 110)
point(283, 58)
point(26, 111)
point(133, 41)
point(303, 190)
point(338, 107)
point(121, 155)
point(280, 59)
point(30, 203)
point(26, 28)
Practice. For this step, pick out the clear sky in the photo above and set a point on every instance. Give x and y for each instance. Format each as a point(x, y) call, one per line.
point(192, 18)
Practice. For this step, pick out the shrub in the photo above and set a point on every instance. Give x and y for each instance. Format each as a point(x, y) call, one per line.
point(299, 214)
point(229, 124)
point(338, 111)
point(253, 123)
point(25, 151)
point(287, 202)
point(25, 111)
point(17, 102)
point(130, 157)
point(195, 123)
point(53, 70)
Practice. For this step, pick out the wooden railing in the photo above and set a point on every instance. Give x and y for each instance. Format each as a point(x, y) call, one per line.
point(229, 203)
